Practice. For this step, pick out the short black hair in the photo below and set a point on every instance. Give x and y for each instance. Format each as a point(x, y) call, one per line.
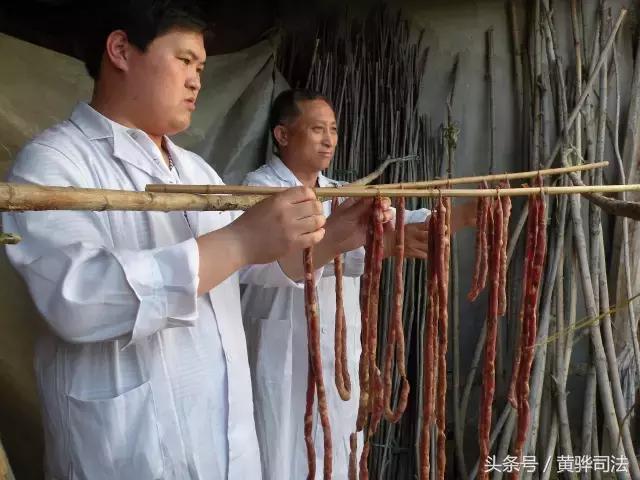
point(142, 21)
point(285, 108)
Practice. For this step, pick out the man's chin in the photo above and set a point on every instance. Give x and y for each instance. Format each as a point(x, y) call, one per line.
point(179, 125)
point(324, 163)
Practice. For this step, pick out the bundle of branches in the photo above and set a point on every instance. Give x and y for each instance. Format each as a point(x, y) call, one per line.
point(551, 111)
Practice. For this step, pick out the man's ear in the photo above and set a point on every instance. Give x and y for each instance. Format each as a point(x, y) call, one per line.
point(281, 135)
point(117, 50)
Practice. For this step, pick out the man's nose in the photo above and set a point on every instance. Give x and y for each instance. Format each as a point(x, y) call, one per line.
point(327, 139)
point(193, 83)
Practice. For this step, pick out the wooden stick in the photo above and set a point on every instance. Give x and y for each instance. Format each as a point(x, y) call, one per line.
point(561, 420)
point(451, 141)
point(240, 189)
point(19, 197)
point(235, 203)
point(16, 197)
point(604, 386)
point(380, 170)
point(536, 87)
point(489, 77)
point(330, 192)
point(9, 239)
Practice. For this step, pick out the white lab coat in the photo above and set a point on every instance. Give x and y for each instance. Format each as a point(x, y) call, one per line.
point(140, 378)
point(276, 331)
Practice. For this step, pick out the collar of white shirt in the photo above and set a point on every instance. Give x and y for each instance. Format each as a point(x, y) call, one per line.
point(127, 142)
point(283, 172)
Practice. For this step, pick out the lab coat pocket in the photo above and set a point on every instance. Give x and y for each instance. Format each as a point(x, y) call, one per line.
point(116, 437)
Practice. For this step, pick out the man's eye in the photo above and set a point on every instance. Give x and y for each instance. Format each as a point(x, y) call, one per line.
point(186, 61)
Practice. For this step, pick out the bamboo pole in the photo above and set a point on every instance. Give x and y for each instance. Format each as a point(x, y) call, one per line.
point(15, 197)
point(537, 88)
point(19, 197)
point(626, 257)
point(560, 378)
point(499, 177)
point(600, 359)
point(489, 77)
point(503, 447)
point(330, 192)
point(9, 238)
point(380, 170)
point(630, 240)
point(537, 379)
point(237, 189)
point(458, 420)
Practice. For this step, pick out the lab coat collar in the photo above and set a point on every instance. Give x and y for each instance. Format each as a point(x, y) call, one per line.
point(90, 122)
point(285, 174)
point(130, 145)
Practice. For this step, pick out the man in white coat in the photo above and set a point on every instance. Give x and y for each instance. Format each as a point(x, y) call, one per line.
point(144, 374)
point(305, 134)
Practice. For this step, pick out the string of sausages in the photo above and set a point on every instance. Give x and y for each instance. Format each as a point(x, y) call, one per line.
point(375, 394)
point(495, 228)
point(506, 216)
point(534, 257)
point(480, 268)
point(365, 293)
point(395, 336)
point(315, 374)
point(428, 358)
point(492, 222)
point(308, 421)
point(436, 337)
point(342, 378)
point(363, 367)
point(493, 225)
point(375, 407)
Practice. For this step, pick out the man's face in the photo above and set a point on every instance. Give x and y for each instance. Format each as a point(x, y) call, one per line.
point(164, 81)
point(312, 137)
